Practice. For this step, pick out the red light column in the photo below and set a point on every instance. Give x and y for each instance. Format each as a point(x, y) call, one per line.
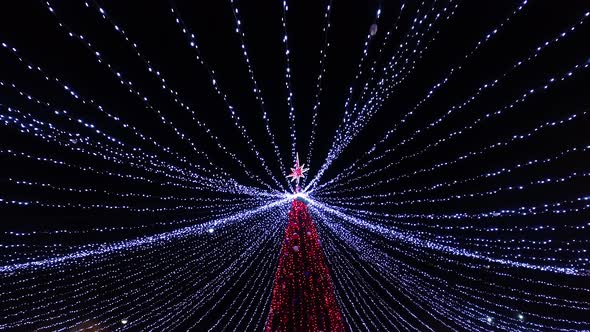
point(303, 296)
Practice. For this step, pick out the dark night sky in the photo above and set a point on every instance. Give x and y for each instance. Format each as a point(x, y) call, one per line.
point(30, 27)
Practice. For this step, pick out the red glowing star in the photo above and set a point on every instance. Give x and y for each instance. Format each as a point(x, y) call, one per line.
point(298, 171)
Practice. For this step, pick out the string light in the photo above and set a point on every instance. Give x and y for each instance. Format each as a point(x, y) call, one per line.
point(290, 96)
point(318, 87)
point(256, 89)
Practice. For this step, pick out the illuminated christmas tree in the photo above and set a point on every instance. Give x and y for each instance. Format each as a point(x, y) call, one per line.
point(303, 296)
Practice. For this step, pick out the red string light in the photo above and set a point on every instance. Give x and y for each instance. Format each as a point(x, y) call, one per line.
point(303, 296)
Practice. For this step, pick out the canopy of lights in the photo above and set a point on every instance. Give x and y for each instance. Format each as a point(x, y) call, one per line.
point(186, 169)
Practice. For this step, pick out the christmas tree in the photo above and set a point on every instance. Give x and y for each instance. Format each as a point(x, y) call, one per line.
point(303, 296)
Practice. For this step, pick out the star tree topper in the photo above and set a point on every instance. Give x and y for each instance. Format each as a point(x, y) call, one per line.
point(297, 172)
